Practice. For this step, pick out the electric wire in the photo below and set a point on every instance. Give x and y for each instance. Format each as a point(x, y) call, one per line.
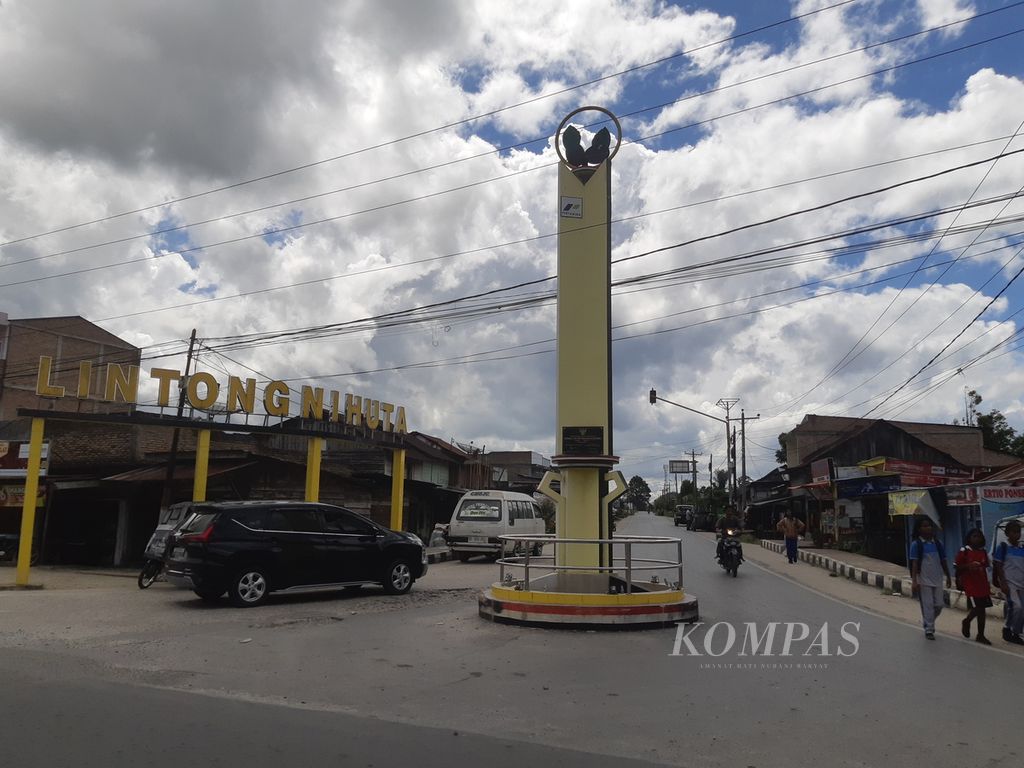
point(446, 126)
point(302, 225)
point(499, 150)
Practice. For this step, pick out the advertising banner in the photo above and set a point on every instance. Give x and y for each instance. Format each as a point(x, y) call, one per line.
point(870, 485)
point(997, 502)
point(14, 458)
point(13, 495)
point(822, 471)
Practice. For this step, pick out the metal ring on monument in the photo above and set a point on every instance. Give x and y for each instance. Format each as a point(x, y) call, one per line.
point(571, 115)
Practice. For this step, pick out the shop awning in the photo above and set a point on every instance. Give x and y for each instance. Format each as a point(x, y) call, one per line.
point(182, 471)
point(917, 502)
point(766, 502)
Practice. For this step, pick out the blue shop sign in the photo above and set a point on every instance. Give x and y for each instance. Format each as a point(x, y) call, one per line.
point(868, 485)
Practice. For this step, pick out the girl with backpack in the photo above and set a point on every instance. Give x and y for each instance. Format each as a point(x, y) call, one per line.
point(972, 577)
point(927, 566)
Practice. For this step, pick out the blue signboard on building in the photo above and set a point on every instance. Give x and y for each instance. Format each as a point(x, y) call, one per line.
point(869, 485)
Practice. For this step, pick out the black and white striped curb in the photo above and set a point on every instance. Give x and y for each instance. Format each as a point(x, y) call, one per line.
point(893, 585)
point(438, 555)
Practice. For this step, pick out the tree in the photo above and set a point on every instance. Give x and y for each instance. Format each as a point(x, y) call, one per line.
point(721, 478)
point(996, 433)
point(665, 504)
point(638, 492)
point(547, 513)
point(780, 454)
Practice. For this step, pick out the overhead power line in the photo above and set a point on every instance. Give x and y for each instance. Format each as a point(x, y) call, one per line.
point(498, 150)
point(302, 225)
point(436, 129)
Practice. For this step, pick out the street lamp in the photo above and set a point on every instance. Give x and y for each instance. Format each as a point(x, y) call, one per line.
point(653, 396)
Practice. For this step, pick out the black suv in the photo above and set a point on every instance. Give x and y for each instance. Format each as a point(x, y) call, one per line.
point(251, 548)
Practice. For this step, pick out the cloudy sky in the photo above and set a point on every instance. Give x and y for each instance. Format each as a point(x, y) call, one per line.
point(325, 189)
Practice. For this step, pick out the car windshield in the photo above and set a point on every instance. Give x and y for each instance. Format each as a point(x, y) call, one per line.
point(478, 509)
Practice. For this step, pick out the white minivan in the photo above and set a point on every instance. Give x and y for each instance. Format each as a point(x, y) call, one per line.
point(481, 517)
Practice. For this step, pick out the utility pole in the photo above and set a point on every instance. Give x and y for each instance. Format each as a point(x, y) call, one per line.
point(693, 470)
point(726, 403)
point(165, 502)
point(743, 450)
point(711, 478)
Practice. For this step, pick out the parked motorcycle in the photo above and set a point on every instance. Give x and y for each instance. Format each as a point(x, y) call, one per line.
point(171, 519)
point(732, 551)
point(151, 571)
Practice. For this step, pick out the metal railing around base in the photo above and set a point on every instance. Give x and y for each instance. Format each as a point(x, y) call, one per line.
point(523, 557)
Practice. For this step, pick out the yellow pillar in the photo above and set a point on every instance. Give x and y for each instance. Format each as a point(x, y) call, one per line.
point(202, 465)
point(314, 451)
point(397, 488)
point(583, 440)
point(28, 508)
point(581, 493)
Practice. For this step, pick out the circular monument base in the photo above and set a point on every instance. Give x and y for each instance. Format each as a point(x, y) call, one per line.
point(582, 610)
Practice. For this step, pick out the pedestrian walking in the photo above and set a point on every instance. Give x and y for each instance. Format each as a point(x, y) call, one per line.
point(927, 567)
point(1008, 570)
point(972, 578)
point(791, 529)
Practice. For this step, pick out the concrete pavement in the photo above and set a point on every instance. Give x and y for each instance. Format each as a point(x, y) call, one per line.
point(427, 661)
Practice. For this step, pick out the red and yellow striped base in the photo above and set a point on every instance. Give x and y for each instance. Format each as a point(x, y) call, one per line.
point(642, 610)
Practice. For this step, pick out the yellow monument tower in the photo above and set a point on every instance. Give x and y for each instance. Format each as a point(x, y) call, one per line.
point(585, 577)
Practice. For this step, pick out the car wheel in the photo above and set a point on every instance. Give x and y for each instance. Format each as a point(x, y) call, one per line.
point(250, 587)
point(463, 556)
point(209, 595)
point(538, 550)
point(398, 578)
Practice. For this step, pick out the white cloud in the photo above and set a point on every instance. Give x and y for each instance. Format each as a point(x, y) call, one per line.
point(203, 107)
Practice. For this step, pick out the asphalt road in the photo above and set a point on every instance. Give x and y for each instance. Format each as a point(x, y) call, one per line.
point(118, 676)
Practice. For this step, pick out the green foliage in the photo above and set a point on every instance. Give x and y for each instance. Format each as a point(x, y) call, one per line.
point(638, 493)
point(780, 454)
point(665, 504)
point(996, 432)
point(547, 512)
point(721, 479)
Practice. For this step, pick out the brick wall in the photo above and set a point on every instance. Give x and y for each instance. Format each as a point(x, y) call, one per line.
point(69, 341)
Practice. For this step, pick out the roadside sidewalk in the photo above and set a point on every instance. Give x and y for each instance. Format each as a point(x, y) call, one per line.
point(889, 577)
point(84, 577)
point(70, 577)
point(850, 590)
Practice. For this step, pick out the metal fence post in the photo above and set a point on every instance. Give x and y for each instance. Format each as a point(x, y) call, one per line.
point(679, 558)
point(629, 567)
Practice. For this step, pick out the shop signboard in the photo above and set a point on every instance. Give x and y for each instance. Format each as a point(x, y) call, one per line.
point(822, 471)
point(14, 458)
point(917, 474)
point(13, 495)
point(868, 485)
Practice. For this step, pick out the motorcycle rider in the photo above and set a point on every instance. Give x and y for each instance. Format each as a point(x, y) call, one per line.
point(729, 521)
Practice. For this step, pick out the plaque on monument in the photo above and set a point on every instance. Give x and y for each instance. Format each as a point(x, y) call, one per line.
point(583, 441)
